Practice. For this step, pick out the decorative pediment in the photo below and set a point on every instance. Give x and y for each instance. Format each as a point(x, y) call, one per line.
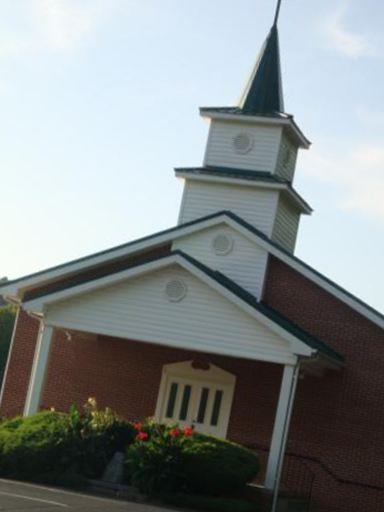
point(172, 301)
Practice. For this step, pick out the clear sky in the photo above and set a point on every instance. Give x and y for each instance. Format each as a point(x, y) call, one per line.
point(99, 101)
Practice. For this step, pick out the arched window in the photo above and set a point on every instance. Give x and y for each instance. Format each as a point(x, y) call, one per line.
point(195, 396)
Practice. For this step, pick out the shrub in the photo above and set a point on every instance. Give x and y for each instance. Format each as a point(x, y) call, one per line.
point(11, 425)
point(57, 447)
point(36, 445)
point(215, 466)
point(168, 459)
point(7, 427)
point(99, 434)
point(155, 459)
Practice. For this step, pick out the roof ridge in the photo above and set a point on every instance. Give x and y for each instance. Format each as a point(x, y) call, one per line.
point(238, 220)
point(115, 248)
point(251, 228)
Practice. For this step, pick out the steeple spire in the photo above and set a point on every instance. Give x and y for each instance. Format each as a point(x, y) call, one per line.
point(263, 94)
point(276, 18)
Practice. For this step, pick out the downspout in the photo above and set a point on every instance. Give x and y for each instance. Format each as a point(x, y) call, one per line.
point(287, 420)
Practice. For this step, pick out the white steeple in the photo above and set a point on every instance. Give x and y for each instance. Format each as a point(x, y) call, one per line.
point(250, 156)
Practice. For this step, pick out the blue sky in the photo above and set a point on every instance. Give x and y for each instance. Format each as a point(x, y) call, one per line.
point(99, 101)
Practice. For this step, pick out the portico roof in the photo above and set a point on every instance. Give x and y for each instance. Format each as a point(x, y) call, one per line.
point(269, 317)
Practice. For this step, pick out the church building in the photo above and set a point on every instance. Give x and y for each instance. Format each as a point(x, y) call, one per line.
point(216, 323)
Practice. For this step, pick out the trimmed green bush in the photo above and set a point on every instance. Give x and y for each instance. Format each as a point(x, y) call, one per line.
point(67, 448)
point(168, 459)
point(216, 467)
point(57, 447)
point(36, 445)
point(155, 460)
point(7, 428)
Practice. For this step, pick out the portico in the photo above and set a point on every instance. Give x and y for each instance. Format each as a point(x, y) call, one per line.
point(209, 340)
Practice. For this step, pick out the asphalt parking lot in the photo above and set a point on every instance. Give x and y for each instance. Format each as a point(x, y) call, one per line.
point(22, 497)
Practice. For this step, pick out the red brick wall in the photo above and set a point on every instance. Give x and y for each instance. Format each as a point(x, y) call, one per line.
point(339, 419)
point(16, 378)
point(125, 375)
point(338, 422)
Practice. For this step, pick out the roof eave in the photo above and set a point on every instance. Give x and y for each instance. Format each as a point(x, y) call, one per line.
point(13, 291)
point(299, 346)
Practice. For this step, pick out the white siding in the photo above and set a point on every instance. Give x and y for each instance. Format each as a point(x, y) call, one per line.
point(286, 225)
point(262, 157)
point(138, 309)
point(256, 206)
point(245, 264)
point(286, 166)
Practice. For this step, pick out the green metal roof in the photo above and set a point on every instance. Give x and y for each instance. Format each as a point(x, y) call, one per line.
point(231, 172)
point(234, 111)
point(263, 94)
point(267, 311)
point(264, 91)
point(197, 221)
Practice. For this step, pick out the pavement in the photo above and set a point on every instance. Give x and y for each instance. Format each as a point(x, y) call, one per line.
point(24, 497)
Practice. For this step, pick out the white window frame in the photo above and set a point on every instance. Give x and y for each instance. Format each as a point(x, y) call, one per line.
point(211, 376)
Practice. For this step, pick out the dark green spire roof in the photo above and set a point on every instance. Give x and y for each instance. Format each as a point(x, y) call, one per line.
point(264, 91)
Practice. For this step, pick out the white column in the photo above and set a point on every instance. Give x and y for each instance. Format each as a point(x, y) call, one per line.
point(39, 368)
point(281, 426)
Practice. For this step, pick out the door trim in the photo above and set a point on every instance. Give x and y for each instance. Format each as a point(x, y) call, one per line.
point(210, 376)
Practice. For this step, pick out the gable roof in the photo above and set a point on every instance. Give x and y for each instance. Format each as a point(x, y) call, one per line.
point(267, 315)
point(15, 288)
point(267, 311)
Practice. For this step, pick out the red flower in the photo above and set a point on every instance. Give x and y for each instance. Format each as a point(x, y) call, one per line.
point(175, 432)
point(137, 426)
point(188, 431)
point(142, 436)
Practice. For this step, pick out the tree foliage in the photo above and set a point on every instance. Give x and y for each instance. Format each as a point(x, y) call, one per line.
point(7, 320)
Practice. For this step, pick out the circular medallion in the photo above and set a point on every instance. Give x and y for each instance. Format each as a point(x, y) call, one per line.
point(222, 244)
point(175, 290)
point(243, 143)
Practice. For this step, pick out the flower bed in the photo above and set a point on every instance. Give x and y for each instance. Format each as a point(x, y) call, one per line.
point(161, 461)
point(170, 459)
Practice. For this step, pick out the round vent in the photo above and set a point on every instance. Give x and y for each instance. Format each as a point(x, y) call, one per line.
point(222, 244)
point(176, 290)
point(243, 143)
